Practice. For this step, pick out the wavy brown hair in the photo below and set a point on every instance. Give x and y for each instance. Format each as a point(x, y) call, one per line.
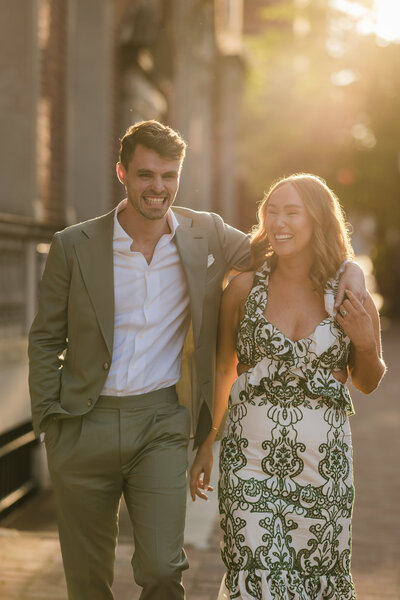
point(331, 238)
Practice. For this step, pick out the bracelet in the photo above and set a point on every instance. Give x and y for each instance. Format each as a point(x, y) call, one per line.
point(214, 428)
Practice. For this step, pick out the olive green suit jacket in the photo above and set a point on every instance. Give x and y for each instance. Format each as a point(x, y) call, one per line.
point(71, 339)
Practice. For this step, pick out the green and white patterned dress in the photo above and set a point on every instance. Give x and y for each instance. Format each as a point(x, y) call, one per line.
point(286, 480)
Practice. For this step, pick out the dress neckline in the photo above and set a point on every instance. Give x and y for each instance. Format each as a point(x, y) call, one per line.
point(265, 272)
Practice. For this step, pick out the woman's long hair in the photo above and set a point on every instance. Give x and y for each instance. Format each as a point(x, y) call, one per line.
point(331, 239)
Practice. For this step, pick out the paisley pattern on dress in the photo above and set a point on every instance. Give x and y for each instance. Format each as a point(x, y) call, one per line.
point(286, 480)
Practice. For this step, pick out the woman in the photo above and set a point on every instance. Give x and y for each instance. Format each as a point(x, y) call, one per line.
point(286, 482)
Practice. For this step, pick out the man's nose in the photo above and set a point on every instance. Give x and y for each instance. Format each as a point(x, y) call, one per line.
point(158, 184)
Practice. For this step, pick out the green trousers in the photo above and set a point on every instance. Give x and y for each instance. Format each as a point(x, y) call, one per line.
point(135, 446)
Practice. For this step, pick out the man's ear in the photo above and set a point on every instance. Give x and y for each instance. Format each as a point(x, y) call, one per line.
point(119, 167)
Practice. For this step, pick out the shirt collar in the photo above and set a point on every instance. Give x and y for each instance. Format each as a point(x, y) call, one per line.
point(119, 232)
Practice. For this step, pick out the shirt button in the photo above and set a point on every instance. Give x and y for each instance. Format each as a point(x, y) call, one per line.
point(89, 402)
point(106, 366)
point(147, 307)
point(141, 336)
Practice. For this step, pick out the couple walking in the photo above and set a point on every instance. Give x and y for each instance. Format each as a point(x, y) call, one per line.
point(120, 297)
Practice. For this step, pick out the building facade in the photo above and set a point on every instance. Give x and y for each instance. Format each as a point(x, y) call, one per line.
point(73, 76)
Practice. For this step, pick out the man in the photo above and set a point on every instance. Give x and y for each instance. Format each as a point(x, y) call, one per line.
point(117, 297)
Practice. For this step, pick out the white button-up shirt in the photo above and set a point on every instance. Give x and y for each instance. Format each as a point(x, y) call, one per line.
point(151, 315)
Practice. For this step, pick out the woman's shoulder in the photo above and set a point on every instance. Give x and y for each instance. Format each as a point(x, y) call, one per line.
point(239, 286)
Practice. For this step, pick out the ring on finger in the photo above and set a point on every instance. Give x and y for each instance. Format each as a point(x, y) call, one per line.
point(343, 312)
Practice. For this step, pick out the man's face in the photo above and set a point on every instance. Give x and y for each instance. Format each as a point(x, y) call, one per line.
point(151, 182)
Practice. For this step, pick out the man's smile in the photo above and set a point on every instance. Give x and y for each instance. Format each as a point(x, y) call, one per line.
point(155, 200)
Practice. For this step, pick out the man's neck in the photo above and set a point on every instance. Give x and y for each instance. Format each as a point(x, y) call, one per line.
point(145, 233)
point(140, 229)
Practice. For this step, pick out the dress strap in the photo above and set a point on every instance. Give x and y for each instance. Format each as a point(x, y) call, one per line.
point(330, 292)
point(257, 298)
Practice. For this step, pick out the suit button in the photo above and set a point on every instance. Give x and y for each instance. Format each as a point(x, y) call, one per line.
point(106, 366)
point(89, 402)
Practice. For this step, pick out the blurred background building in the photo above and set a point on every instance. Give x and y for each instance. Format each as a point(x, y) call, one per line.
point(73, 76)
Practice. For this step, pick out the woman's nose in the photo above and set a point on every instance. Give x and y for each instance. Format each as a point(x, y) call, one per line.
point(280, 220)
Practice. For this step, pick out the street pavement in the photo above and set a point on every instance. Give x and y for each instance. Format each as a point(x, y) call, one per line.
point(30, 559)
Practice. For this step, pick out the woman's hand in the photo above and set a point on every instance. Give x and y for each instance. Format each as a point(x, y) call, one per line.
point(356, 323)
point(361, 324)
point(202, 464)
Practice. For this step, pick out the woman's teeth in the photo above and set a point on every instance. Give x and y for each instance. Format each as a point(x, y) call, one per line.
point(283, 237)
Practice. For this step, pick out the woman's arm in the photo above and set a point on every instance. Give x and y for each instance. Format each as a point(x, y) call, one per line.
point(233, 299)
point(361, 324)
point(352, 278)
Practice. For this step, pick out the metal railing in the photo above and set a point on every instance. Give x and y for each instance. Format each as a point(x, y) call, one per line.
point(23, 247)
point(16, 465)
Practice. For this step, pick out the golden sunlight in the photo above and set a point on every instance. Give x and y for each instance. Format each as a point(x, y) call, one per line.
point(387, 15)
point(383, 19)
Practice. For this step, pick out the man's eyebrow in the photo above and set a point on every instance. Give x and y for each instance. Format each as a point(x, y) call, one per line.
point(150, 172)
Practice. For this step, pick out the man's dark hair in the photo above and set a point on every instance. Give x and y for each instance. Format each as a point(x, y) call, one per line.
point(154, 136)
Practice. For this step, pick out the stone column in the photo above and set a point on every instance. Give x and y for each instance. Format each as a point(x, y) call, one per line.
point(19, 85)
point(89, 109)
point(193, 103)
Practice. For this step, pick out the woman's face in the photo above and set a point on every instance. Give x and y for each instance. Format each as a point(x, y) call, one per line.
point(288, 224)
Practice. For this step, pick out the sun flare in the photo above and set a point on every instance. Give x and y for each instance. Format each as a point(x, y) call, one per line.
point(383, 19)
point(387, 15)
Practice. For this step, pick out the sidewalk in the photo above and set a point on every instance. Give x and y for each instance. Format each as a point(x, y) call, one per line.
point(30, 557)
point(30, 561)
point(376, 447)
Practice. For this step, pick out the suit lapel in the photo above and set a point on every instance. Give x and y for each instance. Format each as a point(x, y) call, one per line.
point(192, 246)
point(95, 256)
